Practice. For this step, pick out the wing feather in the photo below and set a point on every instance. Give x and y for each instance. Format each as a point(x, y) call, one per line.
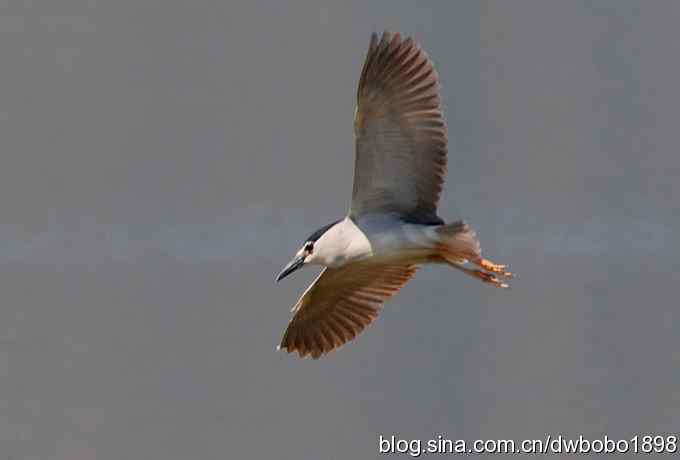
point(401, 136)
point(340, 304)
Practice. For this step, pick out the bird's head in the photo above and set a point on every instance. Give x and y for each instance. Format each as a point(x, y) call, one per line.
point(309, 253)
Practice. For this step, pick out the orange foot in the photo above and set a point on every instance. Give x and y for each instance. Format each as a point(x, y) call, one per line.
point(494, 267)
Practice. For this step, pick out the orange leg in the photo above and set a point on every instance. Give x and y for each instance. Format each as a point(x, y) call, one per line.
point(488, 271)
point(482, 275)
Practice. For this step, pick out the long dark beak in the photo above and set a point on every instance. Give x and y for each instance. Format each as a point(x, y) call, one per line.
point(293, 265)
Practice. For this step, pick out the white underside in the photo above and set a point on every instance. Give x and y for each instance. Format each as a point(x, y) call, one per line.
point(384, 238)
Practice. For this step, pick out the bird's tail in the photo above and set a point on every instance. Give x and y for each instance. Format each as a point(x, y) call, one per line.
point(459, 243)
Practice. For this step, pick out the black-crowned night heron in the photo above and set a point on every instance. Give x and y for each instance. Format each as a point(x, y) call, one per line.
point(392, 227)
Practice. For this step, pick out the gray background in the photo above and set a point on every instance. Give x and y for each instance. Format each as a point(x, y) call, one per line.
point(162, 160)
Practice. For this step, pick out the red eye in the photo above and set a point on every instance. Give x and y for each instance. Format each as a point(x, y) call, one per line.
point(309, 247)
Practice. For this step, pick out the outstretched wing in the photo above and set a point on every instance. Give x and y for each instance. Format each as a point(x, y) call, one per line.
point(401, 139)
point(340, 304)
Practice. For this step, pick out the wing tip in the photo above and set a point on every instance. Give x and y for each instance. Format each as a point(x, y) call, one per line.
point(396, 71)
point(304, 353)
point(310, 344)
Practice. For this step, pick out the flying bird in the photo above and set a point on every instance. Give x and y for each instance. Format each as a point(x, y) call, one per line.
point(392, 226)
